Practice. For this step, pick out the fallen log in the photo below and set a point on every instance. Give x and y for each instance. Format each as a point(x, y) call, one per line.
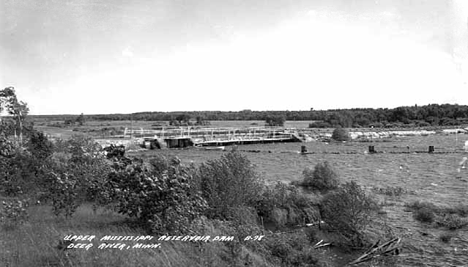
point(389, 248)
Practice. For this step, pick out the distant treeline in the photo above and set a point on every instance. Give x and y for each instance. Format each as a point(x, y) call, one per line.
point(420, 116)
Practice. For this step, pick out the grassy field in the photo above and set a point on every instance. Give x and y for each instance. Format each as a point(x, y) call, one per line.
point(35, 243)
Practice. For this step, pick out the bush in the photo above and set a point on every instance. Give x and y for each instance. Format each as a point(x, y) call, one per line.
point(83, 149)
point(340, 134)
point(39, 145)
point(13, 213)
point(393, 191)
point(424, 214)
point(62, 191)
point(417, 205)
point(460, 209)
point(160, 197)
point(275, 120)
point(322, 178)
point(452, 222)
point(227, 183)
point(284, 204)
point(291, 250)
point(446, 237)
point(348, 210)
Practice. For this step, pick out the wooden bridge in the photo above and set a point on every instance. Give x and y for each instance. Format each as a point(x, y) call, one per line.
point(184, 137)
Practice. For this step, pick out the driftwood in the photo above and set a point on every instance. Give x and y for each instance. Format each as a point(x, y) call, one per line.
point(321, 244)
point(389, 248)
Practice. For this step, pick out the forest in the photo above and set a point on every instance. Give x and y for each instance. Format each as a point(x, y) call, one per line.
point(405, 116)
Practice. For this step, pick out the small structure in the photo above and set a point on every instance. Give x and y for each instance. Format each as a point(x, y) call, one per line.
point(431, 149)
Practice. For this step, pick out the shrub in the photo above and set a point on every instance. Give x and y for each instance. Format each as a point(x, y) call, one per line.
point(62, 191)
point(285, 204)
point(452, 222)
point(424, 214)
point(7, 147)
point(158, 196)
point(83, 149)
point(13, 213)
point(446, 237)
point(290, 250)
point(460, 209)
point(275, 120)
point(340, 134)
point(322, 178)
point(228, 182)
point(39, 145)
point(417, 205)
point(282, 250)
point(348, 210)
point(311, 235)
point(393, 191)
point(21, 173)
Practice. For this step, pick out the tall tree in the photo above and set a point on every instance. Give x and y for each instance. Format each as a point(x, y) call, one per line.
point(18, 109)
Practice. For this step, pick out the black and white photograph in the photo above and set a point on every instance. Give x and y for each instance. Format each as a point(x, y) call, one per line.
point(270, 133)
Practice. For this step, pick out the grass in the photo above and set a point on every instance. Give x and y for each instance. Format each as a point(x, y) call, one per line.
point(34, 243)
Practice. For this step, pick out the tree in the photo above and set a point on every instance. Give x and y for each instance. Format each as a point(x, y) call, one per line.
point(18, 109)
point(349, 210)
point(228, 183)
point(80, 119)
point(183, 118)
point(340, 134)
point(323, 177)
point(275, 120)
point(39, 145)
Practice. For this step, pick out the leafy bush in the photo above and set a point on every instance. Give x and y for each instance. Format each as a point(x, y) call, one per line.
point(340, 134)
point(83, 149)
point(228, 182)
point(322, 178)
point(461, 210)
point(160, 197)
point(311, 234)
point(291, 250)
point(13, 213)
point(62, 191)
point(417, 205)
point(348, 210)
point(452, 222)
point(20, 174)
point(424, 214)
point(275, 120)
point(284, 204)
point(394, 191)
point(7, 147)
point(446, 237)
point(39, 145)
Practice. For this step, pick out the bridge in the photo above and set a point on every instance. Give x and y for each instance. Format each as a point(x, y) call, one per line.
point(188, 136)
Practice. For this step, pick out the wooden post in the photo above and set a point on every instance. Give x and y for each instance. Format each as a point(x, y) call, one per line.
point(431, 149)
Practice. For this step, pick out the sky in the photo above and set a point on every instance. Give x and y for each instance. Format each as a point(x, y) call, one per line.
point(102, 56)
